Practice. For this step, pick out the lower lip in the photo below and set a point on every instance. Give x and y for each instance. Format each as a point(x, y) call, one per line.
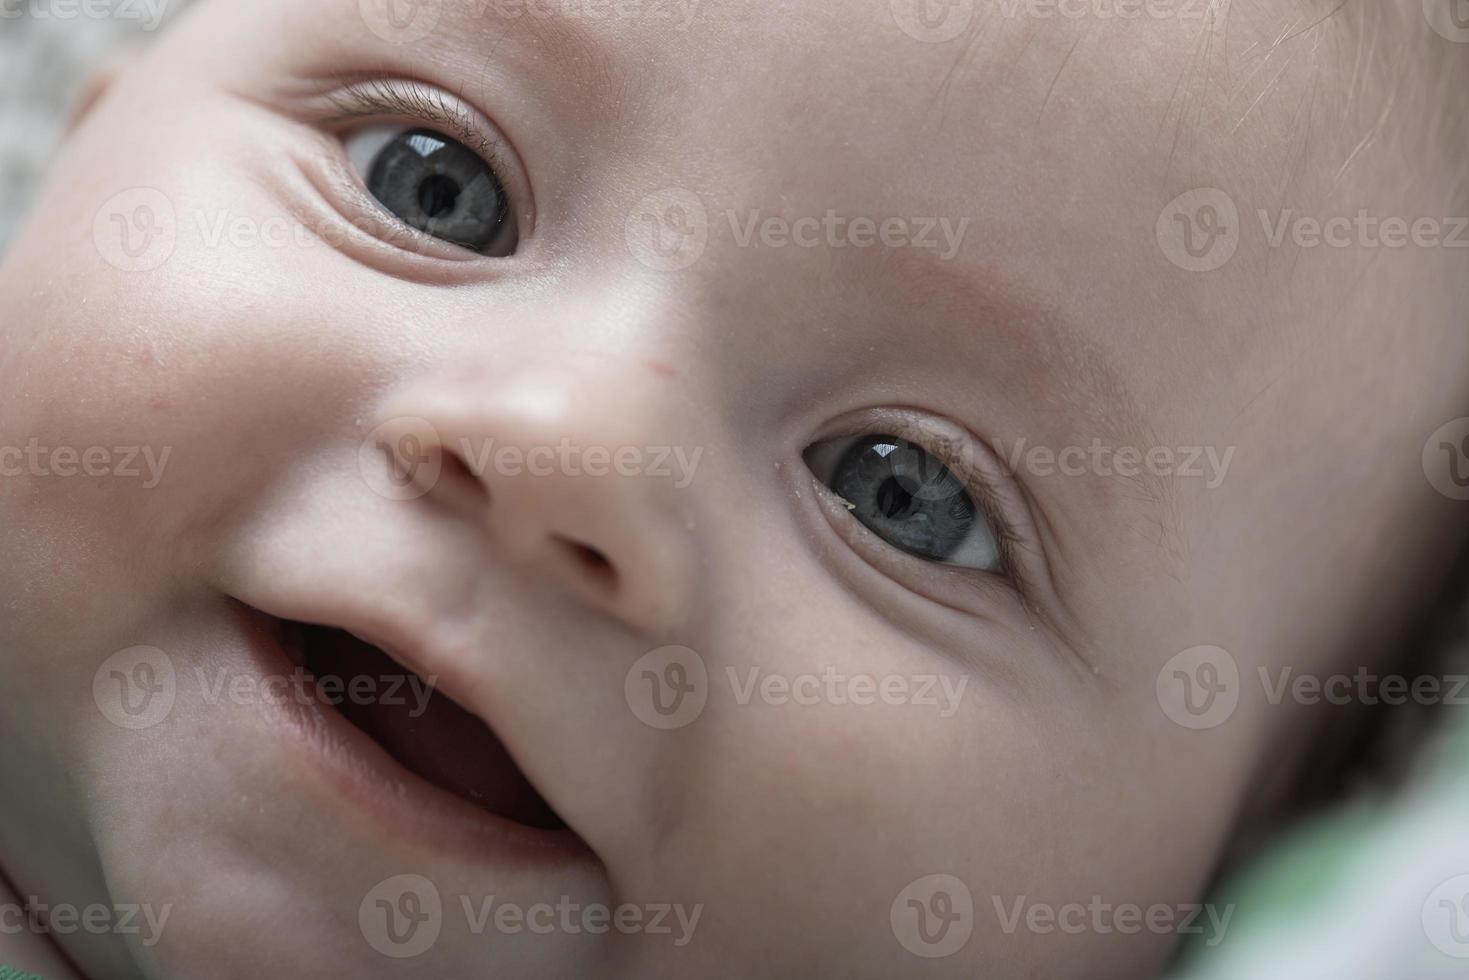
point(399, 802)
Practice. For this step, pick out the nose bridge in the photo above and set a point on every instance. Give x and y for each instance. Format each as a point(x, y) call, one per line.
point(591, 441)
point(565, 415)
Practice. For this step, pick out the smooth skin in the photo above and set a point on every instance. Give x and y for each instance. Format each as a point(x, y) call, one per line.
point(262, 368)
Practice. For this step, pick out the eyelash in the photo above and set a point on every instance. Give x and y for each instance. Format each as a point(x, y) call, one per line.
point(378, 98)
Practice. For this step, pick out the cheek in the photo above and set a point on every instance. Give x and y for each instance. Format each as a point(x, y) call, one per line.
point(137, 407)
point(825, 809)
point(136, 319)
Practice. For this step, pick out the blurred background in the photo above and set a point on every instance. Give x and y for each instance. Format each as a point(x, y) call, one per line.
point(44, 60)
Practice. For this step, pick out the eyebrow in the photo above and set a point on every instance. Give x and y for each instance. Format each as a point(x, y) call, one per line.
point(591, 74)
point(1075, 369)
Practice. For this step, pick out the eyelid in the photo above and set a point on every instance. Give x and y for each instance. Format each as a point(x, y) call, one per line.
point(386, 97)
point(387, 100)
point(967, 463)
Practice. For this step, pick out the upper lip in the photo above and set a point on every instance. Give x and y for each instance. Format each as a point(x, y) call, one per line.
point(415, 642)
point(441, 667)
point(430, 648)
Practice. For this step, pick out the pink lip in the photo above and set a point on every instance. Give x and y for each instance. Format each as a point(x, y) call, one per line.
point(399, 802)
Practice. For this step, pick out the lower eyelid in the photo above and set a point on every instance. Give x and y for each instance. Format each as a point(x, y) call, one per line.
point(995, 492)
point(326, 197)
point(965, 590)
point(829, 452)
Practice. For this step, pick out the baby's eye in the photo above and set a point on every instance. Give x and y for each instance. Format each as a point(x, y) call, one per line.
point(437, 185)
point(904, 495)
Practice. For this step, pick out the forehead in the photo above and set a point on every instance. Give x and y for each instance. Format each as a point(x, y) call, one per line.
point(950, 71)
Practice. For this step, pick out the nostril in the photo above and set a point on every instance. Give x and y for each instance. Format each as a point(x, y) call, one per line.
point(457, 486)
point(592, 562)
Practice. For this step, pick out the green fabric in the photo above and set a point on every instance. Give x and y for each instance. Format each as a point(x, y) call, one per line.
point(1352, 896)
point(11, 973)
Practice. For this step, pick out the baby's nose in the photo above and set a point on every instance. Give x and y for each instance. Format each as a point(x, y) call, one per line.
point(573, 471)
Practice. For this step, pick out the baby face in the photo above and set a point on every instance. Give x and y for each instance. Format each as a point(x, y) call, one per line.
point(555, 490)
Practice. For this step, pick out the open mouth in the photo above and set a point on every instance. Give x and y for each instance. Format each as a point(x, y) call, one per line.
point(414, 723)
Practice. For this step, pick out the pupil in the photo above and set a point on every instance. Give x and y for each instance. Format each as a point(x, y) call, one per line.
point(437, 195)
point(892, 499)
